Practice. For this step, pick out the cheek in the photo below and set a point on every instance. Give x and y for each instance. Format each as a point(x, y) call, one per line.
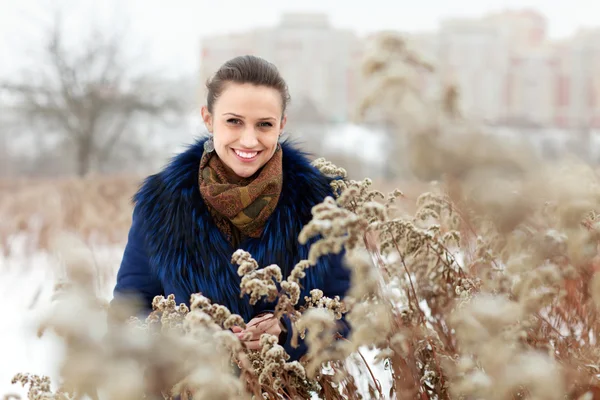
point(223, 134)
point(270, 138)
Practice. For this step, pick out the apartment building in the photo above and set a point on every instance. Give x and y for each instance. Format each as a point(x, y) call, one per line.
point(320, 62)
point(505, 66)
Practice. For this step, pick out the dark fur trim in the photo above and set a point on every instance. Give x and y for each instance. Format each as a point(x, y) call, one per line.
point(186, 248)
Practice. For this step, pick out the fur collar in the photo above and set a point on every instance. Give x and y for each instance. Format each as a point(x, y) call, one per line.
point(188, 252)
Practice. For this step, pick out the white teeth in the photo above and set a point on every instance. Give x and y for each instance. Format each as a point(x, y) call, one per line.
point(244, 154)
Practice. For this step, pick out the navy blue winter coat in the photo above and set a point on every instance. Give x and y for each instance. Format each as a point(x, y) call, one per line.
point(174, 247)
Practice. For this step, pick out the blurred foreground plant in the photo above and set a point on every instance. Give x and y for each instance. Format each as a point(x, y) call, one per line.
point(489, 290)
point(456, 304)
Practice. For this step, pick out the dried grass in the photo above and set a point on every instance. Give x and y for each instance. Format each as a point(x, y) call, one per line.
point(487, 290)
point(96, 208)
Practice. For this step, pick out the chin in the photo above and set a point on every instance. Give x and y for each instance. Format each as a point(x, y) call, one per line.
point(245, 173)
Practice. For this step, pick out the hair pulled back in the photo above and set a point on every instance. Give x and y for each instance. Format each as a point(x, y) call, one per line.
point(246, 69)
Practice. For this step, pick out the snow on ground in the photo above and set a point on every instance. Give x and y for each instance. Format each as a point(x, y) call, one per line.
point(26, 284)
point(22, 281)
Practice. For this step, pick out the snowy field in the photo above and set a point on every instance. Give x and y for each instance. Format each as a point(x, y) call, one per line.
point(26, 282)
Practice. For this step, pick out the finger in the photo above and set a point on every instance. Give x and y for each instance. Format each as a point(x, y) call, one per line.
point(258, 320)
point(255, 335)
point(253, 345)
point(254, 342)
point(261, 318)
point(250, 334)
point(255, 332)
point(274, 330)
point(245, 336)
point(236, 329)
point(263, 325)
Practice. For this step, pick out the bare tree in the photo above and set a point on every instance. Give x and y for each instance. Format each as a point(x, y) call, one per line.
point(89, 95)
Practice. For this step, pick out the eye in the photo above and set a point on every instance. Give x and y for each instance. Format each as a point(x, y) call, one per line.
point(265, 124)
point(234, 121)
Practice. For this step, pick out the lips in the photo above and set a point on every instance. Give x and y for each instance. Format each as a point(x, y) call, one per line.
point(246, 156)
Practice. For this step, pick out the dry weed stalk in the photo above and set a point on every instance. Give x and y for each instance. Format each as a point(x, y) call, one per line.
point(457, 303)
point(489, 290)
point(474, 306)
point(497, 265)
point(97, 209)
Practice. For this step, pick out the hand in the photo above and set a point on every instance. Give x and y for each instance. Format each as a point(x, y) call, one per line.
point(266, 323)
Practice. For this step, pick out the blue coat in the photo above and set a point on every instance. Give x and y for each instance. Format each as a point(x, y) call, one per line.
point(174, 247)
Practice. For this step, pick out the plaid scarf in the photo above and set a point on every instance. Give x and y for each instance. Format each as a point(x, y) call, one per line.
point(241, 208)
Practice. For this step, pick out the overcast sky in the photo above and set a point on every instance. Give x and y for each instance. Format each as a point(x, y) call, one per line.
point(172, 32)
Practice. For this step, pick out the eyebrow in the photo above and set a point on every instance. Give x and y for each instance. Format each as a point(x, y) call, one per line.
point(239, 116)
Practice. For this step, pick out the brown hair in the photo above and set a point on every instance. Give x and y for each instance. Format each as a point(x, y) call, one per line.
point(246, 69)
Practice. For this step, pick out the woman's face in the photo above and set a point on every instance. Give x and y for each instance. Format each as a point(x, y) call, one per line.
point(246, 123)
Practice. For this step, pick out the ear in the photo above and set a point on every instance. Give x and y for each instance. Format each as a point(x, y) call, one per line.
point(207, 118)
point(282, 125)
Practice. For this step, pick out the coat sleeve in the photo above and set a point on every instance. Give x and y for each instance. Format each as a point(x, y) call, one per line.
point(135, 280)
point(337, 283)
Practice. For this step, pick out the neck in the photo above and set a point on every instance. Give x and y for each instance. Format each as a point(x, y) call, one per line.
point(233, 178)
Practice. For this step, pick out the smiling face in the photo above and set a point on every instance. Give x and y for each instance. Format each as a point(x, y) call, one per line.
point(246, 123)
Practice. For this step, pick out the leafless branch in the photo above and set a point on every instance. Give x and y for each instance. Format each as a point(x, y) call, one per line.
point(90, 93)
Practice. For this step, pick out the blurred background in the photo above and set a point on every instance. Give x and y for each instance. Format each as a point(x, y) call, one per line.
point(115, 87)
point(96, 95)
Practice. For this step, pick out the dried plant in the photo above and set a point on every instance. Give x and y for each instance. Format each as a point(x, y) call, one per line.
point(488, 289)
point(96, 209)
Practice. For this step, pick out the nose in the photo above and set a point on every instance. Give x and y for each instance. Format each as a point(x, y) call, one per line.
point(249, 138)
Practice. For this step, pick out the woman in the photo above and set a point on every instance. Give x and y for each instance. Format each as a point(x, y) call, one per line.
point(239, 188)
